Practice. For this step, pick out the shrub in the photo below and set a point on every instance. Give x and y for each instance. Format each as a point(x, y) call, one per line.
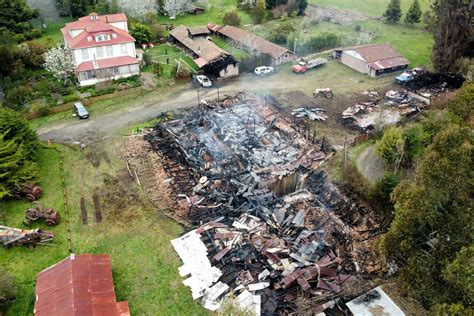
point(147, 59)
point(232, 18)
point(279, 33)
point(41, 107)
point(157, 69)
point(19, 96)
point(320, 42)
point(157, 32)
point(358, 28)
point(70, 98)
point(7, 290)
point(390, 147)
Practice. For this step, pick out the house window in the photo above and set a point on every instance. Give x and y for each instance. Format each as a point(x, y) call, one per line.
point(100, 52)
point(124, 49)
point(109, 51)
point(102, 37)
point(85, 53)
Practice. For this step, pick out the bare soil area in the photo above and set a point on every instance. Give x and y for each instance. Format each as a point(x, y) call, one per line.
point(334, 15)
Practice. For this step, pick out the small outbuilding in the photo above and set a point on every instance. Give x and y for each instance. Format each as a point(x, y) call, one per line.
point(375, 60)
point(78, 285)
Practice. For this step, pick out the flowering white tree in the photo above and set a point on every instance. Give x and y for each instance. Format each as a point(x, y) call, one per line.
point(172, 8)
point(59, 62)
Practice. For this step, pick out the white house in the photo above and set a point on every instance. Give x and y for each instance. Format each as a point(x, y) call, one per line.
point(101, 47)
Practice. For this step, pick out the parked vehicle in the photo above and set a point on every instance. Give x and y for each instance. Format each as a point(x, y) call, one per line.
point(326, 92)
point(303, 66)
point(263, 70)
point(404, 78)
point(204, 81)
point(80, 110)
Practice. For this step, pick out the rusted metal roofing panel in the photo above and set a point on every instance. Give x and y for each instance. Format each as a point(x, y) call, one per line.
point(78, 285)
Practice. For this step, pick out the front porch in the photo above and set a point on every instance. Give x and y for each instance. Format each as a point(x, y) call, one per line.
point(93, 76)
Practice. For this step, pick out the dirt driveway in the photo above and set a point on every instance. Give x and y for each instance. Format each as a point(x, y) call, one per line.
point(346, 83)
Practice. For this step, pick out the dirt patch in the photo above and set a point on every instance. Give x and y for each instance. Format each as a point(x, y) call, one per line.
point(83, 211)
point(95, 153)
point(119, 195)
point(334, 15)
point(97, 206)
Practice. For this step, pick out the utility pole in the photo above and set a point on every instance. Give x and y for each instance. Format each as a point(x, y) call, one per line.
point(294, 44)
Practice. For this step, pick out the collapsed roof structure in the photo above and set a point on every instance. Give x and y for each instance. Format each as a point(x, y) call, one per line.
point(269, 226)
point(208, 56)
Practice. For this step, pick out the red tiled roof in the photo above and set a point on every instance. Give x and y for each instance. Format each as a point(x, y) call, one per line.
point(109, 18)
point(91, 28)
point(107, 63)
point(78, 285)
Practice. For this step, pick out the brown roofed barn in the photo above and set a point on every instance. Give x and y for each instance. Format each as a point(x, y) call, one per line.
point(78, 285)
point(254, 43)
point(375, 60)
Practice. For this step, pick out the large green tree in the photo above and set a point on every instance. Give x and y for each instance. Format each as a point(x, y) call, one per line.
point(393, 12)
point(15, 17)
point(433, 220)
point(12, 127)
point(414, 13)
point(18, 146)
point(453, 34)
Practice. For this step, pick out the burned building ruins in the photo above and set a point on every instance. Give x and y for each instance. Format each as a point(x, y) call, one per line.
point(268, 228)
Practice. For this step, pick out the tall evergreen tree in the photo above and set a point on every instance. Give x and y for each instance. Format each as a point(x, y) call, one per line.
point(454, 38)
point(414, 13)
point(15, 17)
point(12, 127)
point(394, 11)
point(15, 167)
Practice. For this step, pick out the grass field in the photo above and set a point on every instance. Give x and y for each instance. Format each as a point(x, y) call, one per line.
point(134, 234)
point(373, 8)
point(215, 11)
point(52, 33)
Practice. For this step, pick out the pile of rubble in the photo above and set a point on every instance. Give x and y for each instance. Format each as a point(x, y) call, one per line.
point(314, 114)
point(378, 113)
point(270, 226)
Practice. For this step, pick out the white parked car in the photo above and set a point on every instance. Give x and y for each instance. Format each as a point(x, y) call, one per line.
point(204, 81)
point(263, 70)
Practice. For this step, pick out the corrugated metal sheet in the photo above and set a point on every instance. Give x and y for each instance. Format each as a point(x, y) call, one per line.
point(78, 285)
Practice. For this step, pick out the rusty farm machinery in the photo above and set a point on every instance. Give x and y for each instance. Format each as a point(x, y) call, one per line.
point(38, 212)
point(24, 237)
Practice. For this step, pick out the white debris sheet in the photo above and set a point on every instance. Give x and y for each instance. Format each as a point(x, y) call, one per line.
point(193, 253)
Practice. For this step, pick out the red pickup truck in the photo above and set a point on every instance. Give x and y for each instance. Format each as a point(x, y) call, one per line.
point(303, 66)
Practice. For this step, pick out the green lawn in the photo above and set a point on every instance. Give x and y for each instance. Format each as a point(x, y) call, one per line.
point(215, 11)
point(168, 53)
point(52, 33)
point(134, 234)
point(368, 7)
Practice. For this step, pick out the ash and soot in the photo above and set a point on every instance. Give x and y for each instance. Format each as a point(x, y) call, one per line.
point(268, 226)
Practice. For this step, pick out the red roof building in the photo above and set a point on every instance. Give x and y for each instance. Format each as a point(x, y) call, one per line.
point(374, 59)
point(78, 285)
point(101, 47)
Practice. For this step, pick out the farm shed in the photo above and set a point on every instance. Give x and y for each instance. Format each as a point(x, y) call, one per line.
point(208, 56)
point(375, 60)
point(254, 43)
point(78, 285)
